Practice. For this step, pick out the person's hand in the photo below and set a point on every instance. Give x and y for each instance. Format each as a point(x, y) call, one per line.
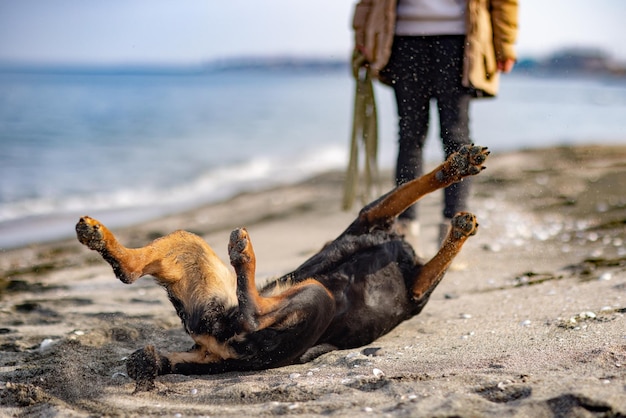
point(358, 62)
point(362, 50)
point(506, 65)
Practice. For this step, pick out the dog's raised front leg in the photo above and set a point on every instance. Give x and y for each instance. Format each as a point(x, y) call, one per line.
point(464, 225)
point(243, 260)
point(468, 161)
point(284, 307)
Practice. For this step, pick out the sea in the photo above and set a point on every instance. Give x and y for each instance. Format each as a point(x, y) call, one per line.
point(126, 147)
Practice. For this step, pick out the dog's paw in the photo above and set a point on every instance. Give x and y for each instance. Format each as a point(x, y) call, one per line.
point(239, 247)
point(468, 161)
point(464, 224)
point(90, 233)
point(143, 366)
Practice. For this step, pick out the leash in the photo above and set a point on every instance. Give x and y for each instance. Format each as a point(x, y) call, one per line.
point(364, 136)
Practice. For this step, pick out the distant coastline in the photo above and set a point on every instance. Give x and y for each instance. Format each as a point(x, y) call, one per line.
point(563, 62)
point(286, 64)
point(573, 61)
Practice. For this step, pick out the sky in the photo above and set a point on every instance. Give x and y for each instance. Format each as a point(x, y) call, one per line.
point(188, 32)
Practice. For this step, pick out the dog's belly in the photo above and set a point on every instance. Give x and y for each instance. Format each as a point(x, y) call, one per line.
point(371, 292)
point(369, 277)
point(368, 308)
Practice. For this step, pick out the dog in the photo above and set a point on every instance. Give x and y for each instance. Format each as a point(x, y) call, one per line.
point(354, 290)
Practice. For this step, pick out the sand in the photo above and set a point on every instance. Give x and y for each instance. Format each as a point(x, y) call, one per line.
point(528, 322)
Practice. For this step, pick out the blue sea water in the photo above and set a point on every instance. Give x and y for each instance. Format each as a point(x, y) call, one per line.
point(128, 147)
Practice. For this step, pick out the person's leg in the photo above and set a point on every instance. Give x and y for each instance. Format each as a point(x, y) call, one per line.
point(453, 105)
point(409, 61)
point(456, 196)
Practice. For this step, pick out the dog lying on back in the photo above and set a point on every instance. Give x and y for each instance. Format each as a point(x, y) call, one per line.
point(356, 289)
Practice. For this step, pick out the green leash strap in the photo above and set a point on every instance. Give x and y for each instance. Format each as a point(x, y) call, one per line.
point(364, 136)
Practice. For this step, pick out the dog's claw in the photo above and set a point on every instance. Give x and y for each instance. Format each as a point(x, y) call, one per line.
point(143, 367)
point(239, 247)
point(89, 233)
point(464, 224)
point(467, 161)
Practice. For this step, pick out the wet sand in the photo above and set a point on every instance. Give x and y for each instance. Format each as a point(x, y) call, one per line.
point(530, 321)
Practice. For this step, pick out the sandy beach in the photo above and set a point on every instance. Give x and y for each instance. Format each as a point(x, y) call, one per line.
point(529, 322)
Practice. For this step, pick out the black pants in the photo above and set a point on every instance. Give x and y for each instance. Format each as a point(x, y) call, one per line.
point(422, 68)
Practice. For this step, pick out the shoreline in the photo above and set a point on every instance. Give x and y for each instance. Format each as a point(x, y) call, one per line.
point(47, 228)
point(529, 322)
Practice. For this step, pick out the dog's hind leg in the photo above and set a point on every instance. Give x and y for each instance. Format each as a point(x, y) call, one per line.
point(464, 225)
point(466, 162)
point(169, 259)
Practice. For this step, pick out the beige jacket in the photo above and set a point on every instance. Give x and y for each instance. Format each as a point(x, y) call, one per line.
point(491, 34)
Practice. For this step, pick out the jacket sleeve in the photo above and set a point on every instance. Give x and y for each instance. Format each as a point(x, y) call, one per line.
point(504, 22)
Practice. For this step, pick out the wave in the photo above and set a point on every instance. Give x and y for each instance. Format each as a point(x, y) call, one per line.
point(131, 205)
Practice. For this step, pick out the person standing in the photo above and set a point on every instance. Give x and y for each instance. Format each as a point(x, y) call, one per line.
point(449, 51)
